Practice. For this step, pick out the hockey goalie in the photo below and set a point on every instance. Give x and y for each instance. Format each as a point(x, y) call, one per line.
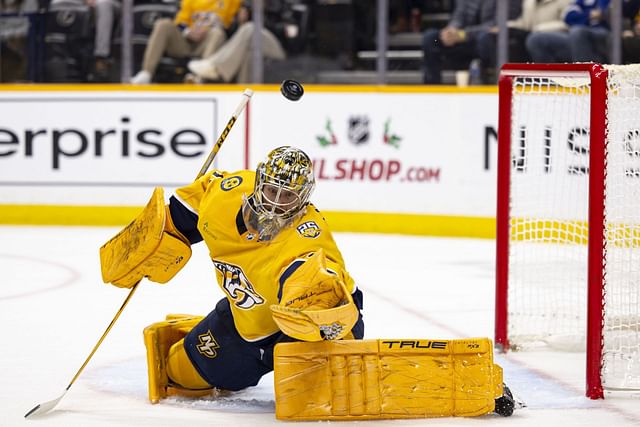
point(290, 307)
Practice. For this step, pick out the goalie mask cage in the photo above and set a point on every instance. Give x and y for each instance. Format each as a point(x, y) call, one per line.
point(568, 216)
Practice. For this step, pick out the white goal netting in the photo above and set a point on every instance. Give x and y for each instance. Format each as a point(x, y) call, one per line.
point(549, 206)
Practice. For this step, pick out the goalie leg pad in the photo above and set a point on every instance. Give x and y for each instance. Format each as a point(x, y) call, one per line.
point(376, 379)
point(159, 338)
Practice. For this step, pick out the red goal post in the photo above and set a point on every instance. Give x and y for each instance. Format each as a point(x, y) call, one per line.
point(568, 216)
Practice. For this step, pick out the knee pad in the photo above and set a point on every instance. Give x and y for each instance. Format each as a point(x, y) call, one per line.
point(181, 371)
point(159, 339)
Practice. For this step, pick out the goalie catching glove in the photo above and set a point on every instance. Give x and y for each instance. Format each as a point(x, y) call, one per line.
point(145, 248)
point(315, 303)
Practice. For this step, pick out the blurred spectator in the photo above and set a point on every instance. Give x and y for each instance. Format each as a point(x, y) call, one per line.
point(405, 15)
point(105, 12)
point(585, 40)
point(548, 39)
point(105, 16)
point(198, 30)
point(588, 30)
point(466, 36)
point(13, 39)
point(234, 59)
point(536, 15)
point(631, 33)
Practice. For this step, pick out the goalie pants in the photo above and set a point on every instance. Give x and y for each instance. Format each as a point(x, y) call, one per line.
point(225, 360)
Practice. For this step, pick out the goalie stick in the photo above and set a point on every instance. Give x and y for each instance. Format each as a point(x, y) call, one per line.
point(45, 407)
point(246, 96)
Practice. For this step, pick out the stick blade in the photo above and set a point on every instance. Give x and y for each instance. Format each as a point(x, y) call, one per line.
point(43, 408)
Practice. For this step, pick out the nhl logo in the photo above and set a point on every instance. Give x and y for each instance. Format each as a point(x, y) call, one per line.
point(65, 18)
point(358, 130)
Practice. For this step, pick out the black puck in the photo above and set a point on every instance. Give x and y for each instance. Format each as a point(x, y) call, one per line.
point(292, 90)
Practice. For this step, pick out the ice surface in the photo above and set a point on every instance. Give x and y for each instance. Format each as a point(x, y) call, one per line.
point(54, 307)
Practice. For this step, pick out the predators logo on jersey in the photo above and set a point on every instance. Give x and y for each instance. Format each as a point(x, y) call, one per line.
point(309, 229)
point(237, 286)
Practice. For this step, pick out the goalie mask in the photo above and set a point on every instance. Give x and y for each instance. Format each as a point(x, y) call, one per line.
point(284, 182)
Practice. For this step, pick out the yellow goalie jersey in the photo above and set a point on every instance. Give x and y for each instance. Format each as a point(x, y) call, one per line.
point(204, 12)
point(250, 272)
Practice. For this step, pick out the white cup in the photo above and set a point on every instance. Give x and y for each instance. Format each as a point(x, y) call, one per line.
point(462, 78)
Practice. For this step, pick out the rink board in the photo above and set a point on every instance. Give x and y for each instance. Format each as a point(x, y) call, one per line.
point(420, 158)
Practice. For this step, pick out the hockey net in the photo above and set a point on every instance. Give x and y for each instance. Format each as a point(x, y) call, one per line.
point(568, 216)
